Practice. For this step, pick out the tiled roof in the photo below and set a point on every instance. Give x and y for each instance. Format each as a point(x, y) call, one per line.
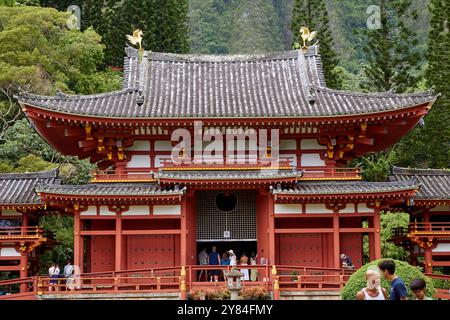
point(281, 84)
point(18, 188)
point(111, 189)
point(228, 175)
point(346, 187)
point(434, 183)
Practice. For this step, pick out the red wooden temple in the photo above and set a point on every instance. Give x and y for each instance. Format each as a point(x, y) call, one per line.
point(428, 235)
point(290, 197)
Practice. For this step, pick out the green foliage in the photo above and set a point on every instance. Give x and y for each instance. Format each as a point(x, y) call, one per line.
point(404, 270)
point(389, 220)
point(376, 167)
point(314, 15)
point(61, 226)
point(21, 140)
point(255, 28)
point(32, 163)
point(391, 51)
point(165, 25)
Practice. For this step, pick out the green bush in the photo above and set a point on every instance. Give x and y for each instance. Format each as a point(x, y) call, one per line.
point(404, 270)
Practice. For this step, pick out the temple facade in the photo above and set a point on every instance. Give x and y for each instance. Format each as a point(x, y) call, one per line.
point(244, 152)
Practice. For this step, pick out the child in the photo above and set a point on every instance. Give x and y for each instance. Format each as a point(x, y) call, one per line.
point(418, 286)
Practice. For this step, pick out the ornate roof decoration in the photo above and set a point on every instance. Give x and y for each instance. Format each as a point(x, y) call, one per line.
point(281, 84)
point(434, 183)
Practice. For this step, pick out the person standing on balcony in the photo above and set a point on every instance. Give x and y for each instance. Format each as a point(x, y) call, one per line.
point(203, 261)
point(244, 262)
point(253, 272)
point(233, 259)
point(398, 288)
point(214, 260)
point(53, 273)
point(225, 261)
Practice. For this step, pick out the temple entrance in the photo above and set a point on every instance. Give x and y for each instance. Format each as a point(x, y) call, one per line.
point(226, 219)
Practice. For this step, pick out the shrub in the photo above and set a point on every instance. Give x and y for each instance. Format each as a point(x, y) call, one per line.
point(254, 293)
point(210, 294)
point(404, 270)
point(197, 294)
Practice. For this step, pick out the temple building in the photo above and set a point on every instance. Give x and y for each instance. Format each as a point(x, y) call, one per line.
point(21, 238)
point(284, 191)
point(428, 235)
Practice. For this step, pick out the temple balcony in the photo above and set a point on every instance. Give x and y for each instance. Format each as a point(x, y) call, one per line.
point(167, 165)
point(423, 234)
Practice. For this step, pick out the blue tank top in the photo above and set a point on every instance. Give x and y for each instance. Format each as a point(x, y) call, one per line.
point(214, 258)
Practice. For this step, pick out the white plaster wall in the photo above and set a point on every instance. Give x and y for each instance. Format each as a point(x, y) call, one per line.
point(291, 157)
point(440, 209)
point(317, 208)
point(140, 145)
point(311, 144)
point(281, 208)
point(9, 212)
point(137, 211)
point(9, 252)
point(163, 145)
point(350, 208)
point(362, 208)
point(312, 160)
point(139, 161)
point(442, 247)
point(167, 209)
point(288, 144)
point(104, 211)
point(91, 211)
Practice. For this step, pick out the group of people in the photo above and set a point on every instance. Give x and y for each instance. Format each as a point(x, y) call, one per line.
point(374, 291)
point(228, 258)
point(54, 274)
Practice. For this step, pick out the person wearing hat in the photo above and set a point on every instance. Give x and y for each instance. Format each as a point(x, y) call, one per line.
point(233, 260)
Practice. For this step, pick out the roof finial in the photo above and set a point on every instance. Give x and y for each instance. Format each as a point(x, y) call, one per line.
point(135, 39)
point(306, 36)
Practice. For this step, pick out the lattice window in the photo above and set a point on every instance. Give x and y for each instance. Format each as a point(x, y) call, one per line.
point(212, 222)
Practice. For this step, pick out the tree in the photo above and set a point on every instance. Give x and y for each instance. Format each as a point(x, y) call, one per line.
point(392, 55)
point(314, 15)
point(255, 28)
point(376, 167)
point(429, 146)
point(388, 221)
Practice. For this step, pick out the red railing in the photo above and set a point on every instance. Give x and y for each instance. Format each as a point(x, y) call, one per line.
point(440, 228)
point(11, 233)
point(169, 280)
point(226, 164)
point(444, 291)
point(122, 175)
point(316, 173)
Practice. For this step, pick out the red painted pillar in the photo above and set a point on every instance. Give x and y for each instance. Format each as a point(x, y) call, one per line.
point(118, 253)
point(336, 241)
point(183, 234)
point(376, 233)
point(272, 253)
point(371, 235)
point(428, 263)
point(24, 255)
point(77, 247)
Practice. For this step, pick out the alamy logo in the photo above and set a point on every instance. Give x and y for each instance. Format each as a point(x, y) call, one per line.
point(74, 21)
point(374, 19)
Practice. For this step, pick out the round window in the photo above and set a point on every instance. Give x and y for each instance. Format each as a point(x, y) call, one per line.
point(226, 201)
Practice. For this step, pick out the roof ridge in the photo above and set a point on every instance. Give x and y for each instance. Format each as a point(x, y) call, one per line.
point(63, 96)
point(30, 175)
point(419, 171)
point(385, 94)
